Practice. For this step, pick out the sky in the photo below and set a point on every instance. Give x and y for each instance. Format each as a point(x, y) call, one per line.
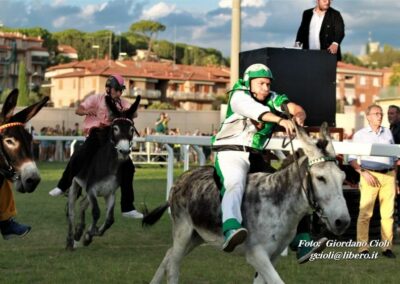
point(207, 23)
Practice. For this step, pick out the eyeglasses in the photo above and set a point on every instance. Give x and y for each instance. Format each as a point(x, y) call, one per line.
point(376, 113)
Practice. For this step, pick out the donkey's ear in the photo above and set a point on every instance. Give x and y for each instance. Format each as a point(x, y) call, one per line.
point(111, 105)
point(325, 135)
point(302, 135)
point(9, 106)
point(132, 110)
point(26, 114)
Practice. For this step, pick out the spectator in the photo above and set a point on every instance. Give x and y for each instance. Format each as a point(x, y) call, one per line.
point(377, 178)
point(394, 120)
point(8, 226)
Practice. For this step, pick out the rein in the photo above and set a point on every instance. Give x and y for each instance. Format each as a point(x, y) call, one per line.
point(310, 194)
point(9, 171)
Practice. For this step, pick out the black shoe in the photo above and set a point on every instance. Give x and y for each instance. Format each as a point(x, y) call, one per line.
point(365, 252)
point(388, 253)
point(11, 229)
point(304, 253)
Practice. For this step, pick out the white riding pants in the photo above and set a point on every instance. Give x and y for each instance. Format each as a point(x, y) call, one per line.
point(233, 166)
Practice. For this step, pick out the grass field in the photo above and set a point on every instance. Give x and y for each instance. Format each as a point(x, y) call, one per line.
point(129, 254)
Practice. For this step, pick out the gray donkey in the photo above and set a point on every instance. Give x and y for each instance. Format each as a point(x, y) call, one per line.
point(100, 176)
point(272, 207)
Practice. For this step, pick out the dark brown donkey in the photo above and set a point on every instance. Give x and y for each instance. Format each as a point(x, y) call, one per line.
point(16, 157)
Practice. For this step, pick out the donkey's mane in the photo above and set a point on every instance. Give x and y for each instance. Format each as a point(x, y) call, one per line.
point(291, 158)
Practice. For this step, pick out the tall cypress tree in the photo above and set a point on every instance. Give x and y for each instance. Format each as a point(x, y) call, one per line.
point(22, 85)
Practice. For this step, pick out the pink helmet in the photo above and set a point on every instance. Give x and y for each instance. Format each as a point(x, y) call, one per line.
point(116, 81)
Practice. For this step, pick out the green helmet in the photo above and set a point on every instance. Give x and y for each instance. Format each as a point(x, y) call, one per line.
point(257, 70)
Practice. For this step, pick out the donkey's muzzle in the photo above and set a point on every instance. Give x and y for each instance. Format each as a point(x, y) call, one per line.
point(30, 183)
point(341, 224)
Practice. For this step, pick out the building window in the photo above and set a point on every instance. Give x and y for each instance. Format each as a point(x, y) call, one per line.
point(94, 83)
point(375, 82)
point(363, 81)
point(73, 84)
point(206, 89)
point(60, 84)
point(362, 98)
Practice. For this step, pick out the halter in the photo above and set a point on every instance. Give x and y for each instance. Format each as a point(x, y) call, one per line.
point(129, 120)
point(9, 172)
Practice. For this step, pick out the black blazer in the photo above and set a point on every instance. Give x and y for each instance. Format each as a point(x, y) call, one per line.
point(332, 29)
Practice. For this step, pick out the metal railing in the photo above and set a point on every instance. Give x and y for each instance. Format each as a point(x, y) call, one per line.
point(346, 148)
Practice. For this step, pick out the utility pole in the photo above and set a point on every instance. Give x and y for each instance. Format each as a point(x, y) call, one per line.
point(235, 41)
point(110, 45)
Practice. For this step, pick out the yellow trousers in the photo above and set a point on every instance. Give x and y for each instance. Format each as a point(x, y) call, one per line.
point(7, 203)
point(368, 194)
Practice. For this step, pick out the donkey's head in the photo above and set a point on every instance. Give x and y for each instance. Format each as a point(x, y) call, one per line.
point(16, 158)
point(324, 190)
point(122, 127)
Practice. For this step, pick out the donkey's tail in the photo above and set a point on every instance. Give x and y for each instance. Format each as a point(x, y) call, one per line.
point(150, 218)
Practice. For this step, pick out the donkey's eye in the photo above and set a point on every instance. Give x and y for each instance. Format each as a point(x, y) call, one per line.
point(9, 141)
point(115, 128)
point(321, 179)
point(131, 131)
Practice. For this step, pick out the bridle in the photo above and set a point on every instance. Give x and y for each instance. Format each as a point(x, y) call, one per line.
point(309, 190)
point(128, 120)
point(9, 171)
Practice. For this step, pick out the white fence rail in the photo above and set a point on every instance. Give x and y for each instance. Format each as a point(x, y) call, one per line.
point(363, 149)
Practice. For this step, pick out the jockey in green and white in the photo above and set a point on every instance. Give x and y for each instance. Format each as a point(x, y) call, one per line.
point(253, 112)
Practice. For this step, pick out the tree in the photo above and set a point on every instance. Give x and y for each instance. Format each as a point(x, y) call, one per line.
point(148, 29)
point(23, 98)
point(395, 78)
point(351, 59)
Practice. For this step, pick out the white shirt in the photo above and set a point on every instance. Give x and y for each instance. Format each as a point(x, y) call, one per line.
point(366, 135)
point(315, 28)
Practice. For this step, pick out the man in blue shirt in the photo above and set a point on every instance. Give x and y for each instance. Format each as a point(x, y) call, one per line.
point(377, 178)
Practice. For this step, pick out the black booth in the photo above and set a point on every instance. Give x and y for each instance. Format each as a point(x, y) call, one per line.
point(307, 77)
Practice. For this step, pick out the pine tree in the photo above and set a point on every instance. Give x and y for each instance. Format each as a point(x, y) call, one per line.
point(22, 85)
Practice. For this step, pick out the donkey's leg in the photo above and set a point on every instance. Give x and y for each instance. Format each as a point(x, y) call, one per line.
point(184, 240)
point(92, 230)
point(158, 276)
point(260, 260)
point(80, 227)
point(72, 195)
point(183, 243)
point(110, 202)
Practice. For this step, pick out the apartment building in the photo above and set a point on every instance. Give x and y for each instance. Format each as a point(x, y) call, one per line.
point(357, 87)
point(186, 87)
point(16, 47)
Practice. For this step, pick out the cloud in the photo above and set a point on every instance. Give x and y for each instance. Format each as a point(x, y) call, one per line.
point(60, 22)
point(256, 20)
point(244, 3)
point(160, 10)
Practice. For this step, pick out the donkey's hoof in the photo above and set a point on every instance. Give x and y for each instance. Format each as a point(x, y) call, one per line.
point(69, 247)
point(87, 240)
point(77, 244)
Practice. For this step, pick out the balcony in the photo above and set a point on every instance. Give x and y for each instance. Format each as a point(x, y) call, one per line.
point(183, 96)
point(147, 94)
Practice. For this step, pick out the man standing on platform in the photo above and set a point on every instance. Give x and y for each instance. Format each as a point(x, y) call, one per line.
point(321, 27)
